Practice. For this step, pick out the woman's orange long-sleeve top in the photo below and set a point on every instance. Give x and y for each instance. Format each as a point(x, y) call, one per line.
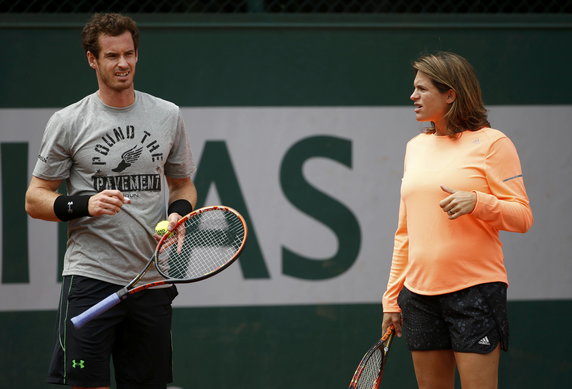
point(434, 255)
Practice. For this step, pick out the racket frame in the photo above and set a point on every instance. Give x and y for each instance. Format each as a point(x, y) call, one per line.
point(383, 345)
point(130, 289)
point(153, 260)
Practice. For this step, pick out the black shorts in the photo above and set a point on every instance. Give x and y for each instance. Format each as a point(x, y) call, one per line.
point(470, 320)
point(136, 333)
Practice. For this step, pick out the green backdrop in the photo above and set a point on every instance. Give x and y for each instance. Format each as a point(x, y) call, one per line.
point(292, 61)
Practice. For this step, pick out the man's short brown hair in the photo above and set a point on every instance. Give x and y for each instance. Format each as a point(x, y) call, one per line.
point(112, 24)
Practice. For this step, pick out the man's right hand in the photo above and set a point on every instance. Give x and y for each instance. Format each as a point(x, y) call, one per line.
point(107, 202)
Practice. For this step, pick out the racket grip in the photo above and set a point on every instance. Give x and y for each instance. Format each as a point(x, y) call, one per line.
point(94, 311)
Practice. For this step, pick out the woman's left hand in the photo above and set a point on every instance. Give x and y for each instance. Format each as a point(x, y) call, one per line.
point(458, 203)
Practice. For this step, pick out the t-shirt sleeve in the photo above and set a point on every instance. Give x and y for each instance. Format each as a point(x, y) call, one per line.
point(400, 257)
point(507, 206)
point(180, 162)
point(54, 158)
point(398, 263)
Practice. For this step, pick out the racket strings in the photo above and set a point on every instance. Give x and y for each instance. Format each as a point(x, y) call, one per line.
point(371, 369)
point(202, 244)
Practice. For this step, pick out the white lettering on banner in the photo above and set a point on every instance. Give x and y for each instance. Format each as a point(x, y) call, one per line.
point(260, 141)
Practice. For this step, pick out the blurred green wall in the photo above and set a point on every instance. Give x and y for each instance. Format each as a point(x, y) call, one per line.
point(293, 61)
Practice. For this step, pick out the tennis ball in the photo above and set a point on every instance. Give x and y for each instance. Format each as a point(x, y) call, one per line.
point(162, 227)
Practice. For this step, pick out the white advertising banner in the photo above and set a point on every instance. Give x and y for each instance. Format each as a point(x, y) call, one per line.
point(348, 159)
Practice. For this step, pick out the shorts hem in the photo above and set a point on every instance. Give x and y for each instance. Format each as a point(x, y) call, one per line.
point(142, 386)
point(430, 349)
point(57, 381)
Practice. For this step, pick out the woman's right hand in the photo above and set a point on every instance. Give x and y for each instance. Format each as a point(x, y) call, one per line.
point(392, 318)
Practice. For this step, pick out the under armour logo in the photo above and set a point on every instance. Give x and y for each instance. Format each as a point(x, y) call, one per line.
point(80, 364)
point(70, 205)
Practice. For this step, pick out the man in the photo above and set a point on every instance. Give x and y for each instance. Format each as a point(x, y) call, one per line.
point(115, 149)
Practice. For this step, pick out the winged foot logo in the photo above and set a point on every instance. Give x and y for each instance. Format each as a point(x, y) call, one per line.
point(127, 158)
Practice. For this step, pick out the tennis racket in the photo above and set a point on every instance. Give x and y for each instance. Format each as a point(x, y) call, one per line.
point(202, 244)
point(370, 369)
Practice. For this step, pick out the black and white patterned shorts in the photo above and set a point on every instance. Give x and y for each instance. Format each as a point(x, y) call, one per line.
point(471, 320)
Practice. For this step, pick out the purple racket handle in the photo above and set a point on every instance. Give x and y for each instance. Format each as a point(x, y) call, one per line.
point(102, 306)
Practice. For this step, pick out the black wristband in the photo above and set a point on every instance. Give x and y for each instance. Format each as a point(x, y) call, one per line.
point(181, 206)
point(71, 207)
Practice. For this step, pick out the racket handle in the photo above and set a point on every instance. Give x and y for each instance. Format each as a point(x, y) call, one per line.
point(96, 310)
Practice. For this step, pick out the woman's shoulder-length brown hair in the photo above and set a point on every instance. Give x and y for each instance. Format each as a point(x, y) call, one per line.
point(451, 71)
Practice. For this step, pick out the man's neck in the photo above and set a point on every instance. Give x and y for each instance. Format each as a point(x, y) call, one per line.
point(117, 99)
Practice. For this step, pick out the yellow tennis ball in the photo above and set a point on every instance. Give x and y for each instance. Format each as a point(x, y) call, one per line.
point(162, 227)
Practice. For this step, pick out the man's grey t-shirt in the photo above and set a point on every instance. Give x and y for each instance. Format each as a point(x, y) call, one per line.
point(94, 147)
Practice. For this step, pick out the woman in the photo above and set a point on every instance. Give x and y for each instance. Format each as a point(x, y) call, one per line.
point(462, 184)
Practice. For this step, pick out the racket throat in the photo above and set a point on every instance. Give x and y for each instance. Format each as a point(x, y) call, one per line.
point(122, 293)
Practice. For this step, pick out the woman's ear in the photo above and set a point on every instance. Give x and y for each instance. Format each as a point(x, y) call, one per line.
point(451, 96)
